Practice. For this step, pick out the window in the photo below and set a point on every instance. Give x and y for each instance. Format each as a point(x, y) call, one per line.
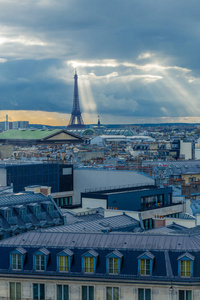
point(144, 266)
point(62, 292)
point(37, 210)
point(8, 214)
point(39, 263)
point(40, 259)
point(16, 261)
point(185, 268)
point(185, 265)
point(113, 265)
point(89, 264)
point(89, 261)
point(17, 258)
point(64, 259)
point(22, 212)
point(63, 264)
point(87, 293)
point(113, 262)
point(15, 291)
point(144, 294)
point(112, 293)
point(38, 291)
point(185, 295)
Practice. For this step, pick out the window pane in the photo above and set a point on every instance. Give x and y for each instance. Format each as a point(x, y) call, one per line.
point(140, 294)
point(66, 292)
point(42, 262)
point(91, 264)
point(181, 295)
point(18, 291)
point(91, 293)
point(116, 265)
point(147, 266)
point(110, 263)
point(147, 294)
point(84, 292)
point(108, 293)
point(188, 268)
point(59, 292)
point(188, 295)
point(142, 267)
point(35, 291)
point(42, 292)
point(12, 290)
point(116, 293)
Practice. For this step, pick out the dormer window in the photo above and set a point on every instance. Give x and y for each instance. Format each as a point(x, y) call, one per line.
point(17, 258)
point(64, 260)
point(22, 212)
point(145, 264)
point(89, 261)
point(40, 259)
point(37, 210)
point(50, 208)
point(185, 265)
point(7, 213)
point(113, 262)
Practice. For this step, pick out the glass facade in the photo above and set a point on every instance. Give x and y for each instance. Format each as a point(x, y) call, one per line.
point(152, 201)
point(46, 174)
point(62, 201)
point(149, 223)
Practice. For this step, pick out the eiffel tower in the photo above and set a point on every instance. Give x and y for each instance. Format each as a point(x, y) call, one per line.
point(76, 120)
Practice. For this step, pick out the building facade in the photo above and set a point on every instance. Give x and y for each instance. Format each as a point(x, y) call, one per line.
point(115, 266)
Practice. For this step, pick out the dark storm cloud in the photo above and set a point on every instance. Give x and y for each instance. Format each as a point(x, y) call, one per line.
point(40, 38)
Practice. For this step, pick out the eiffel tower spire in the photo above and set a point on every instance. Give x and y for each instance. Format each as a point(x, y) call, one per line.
point(76, 120)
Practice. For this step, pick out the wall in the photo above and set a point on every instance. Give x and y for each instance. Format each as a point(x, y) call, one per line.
point(186, 149)
point(85, 179)
point(127, 290)
point(132, 200)
point(3, 177)
point(93, 203)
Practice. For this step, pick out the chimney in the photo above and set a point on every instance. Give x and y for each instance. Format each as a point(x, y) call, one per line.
point(159, 222)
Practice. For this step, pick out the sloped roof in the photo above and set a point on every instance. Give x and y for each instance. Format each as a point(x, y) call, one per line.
point(104, 224)
point(27, 134)
point(186, 242)
point(37, 134)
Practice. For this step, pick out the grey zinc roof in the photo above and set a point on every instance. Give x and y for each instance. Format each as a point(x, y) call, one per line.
point(21, 250)
point(184, 242)
point(92, 252)
point(114, 223)
point(190, 256)
point(68, 252)
point(147, 253)
point(21, 198)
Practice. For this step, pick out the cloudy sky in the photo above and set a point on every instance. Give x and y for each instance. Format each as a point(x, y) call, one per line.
point(137, 60)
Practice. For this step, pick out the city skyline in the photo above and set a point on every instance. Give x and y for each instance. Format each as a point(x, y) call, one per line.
point(137, 62)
